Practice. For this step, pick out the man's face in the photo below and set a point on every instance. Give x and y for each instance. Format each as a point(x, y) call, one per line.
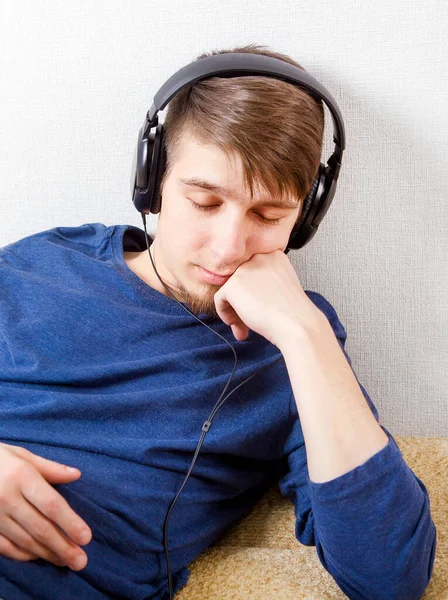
point(220, 238)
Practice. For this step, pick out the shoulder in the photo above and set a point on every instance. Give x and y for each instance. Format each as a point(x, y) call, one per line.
point(59, 236)
point(42, 251)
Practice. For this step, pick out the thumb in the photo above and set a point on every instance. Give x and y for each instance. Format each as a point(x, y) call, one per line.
point(240, 331)
point(228, 314)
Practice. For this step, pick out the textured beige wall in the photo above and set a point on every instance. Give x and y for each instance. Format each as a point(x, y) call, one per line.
point(77, 78)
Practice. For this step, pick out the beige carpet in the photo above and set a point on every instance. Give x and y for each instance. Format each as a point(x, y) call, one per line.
point(260, 558)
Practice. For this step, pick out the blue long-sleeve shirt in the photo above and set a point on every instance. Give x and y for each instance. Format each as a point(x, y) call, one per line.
point(102, 372)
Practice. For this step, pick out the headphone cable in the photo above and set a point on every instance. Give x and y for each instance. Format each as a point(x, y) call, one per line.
point(207, 424)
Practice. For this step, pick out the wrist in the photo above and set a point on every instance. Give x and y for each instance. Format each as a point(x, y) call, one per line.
point(293, 331)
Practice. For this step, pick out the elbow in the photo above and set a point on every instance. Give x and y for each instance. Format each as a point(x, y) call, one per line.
point(407, 582)
point(413, 585)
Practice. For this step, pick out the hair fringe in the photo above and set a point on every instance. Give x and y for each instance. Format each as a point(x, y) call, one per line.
point(276, 128)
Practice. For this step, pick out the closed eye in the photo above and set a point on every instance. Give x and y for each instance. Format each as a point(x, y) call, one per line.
point(209, 207)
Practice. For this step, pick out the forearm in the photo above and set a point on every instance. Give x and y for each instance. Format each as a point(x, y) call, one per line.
point(371, 518)
point(339, 429)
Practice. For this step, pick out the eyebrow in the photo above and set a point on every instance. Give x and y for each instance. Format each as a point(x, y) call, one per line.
point(222, 191)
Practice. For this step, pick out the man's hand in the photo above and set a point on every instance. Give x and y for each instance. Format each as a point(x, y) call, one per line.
point(35, 520)
point(264, 294)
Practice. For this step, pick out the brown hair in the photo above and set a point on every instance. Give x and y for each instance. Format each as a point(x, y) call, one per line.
point(276, 128)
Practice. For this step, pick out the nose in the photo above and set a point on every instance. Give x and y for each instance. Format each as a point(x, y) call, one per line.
point(228, 242)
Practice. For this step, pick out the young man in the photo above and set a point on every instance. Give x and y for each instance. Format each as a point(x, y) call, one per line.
point(103, 370)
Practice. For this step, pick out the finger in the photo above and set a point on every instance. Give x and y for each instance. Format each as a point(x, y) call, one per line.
point(39, 535)
point(52, 471)
point(51, 504)
point(12, 550)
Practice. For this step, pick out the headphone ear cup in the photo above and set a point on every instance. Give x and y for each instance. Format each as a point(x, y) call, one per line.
point(301, 232)
point(156, 204)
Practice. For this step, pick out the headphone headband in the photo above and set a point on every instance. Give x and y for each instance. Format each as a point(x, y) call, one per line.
point(242, 64)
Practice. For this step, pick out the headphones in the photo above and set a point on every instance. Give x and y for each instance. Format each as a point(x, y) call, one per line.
point(149, 166)
point(150, 154)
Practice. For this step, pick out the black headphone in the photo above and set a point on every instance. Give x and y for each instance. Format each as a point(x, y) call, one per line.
point(150, 154)
point(150, 160)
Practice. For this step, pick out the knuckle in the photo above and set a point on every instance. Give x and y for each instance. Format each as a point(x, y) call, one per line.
point(22, 468)
point(70, 555)
point(24, 474)
point(23, 453)
point(42, 532)
point(20, 450)
point(14, 471)
point(28, 544)
point(52, 507)
point(3, 545)
point(24, 557)
point(9, 501)
point(28, 556)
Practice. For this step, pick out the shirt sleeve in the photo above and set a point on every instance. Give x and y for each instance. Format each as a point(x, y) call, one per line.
point(371, 526)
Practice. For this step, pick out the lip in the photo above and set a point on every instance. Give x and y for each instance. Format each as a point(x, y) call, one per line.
point(210, 277)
